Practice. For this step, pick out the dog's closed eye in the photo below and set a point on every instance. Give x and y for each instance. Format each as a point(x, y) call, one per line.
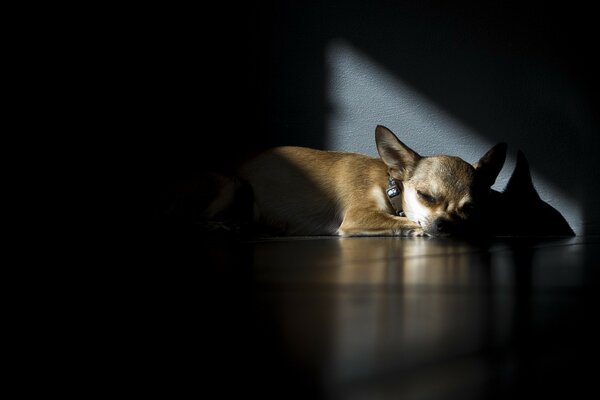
point(427, 197)
point(467, 208)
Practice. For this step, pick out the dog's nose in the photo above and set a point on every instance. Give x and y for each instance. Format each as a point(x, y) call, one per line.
point(442, 225)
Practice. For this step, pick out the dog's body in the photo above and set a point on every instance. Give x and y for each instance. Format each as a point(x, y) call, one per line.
point(301, 191)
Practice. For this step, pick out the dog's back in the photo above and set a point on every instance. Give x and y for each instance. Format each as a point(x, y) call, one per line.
point(302, 191)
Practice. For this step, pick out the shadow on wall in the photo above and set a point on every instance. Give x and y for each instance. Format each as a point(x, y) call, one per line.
point(519, 211)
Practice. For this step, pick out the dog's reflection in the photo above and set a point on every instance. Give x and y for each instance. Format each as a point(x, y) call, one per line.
point(419, 300)
point(421, 262)
point(382, 310)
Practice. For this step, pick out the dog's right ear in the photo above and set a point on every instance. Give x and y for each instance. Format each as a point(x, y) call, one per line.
point(489, 166)
point(400, 159)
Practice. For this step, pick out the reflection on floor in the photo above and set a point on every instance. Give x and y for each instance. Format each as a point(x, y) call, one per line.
point(388, 318)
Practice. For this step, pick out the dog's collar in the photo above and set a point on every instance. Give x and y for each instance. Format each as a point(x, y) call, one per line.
point(393, 193)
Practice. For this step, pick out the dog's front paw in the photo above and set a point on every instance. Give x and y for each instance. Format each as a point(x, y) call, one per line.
point(417, 232)
point(412, 232)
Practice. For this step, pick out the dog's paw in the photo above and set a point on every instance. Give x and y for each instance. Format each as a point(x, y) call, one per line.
point(413, 232)
point(417, 232)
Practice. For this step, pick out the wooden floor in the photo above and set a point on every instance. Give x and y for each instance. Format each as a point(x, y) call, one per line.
point(377, 318)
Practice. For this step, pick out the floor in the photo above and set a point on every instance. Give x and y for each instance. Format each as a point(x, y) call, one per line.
point(378, 318)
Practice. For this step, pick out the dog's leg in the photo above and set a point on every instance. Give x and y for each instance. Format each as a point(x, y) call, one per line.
point(365, 222)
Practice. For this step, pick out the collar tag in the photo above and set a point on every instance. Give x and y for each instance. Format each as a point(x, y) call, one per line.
point(392, 189)
point(392, 192)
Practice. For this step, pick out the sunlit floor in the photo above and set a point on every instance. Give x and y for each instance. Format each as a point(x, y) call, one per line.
point(387, 318)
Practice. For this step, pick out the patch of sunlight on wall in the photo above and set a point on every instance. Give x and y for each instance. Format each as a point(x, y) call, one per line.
point(362, 94)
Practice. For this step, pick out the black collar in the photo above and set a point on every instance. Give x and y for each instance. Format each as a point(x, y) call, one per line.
point(393, 193)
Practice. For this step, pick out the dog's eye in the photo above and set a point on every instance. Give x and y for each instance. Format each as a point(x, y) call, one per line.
point(428, 198)
point(467, 208)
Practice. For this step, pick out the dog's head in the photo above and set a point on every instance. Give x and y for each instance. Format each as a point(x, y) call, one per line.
point(445, 195)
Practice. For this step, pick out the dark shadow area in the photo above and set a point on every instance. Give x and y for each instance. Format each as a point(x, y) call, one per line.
point(184, 324)
point(553, 338)
point(519, 211)
point(202, 95)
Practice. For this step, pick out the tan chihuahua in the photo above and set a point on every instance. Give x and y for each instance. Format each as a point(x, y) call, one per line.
point(301, 191)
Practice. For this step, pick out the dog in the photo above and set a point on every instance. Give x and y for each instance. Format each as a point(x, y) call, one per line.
point(300, 191)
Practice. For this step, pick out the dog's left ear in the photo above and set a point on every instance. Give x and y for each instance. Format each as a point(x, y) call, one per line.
point(399, 158)
point(489, 166)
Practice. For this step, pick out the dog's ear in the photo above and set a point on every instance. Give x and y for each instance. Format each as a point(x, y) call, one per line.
point(399, 158)
point(489, 166)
